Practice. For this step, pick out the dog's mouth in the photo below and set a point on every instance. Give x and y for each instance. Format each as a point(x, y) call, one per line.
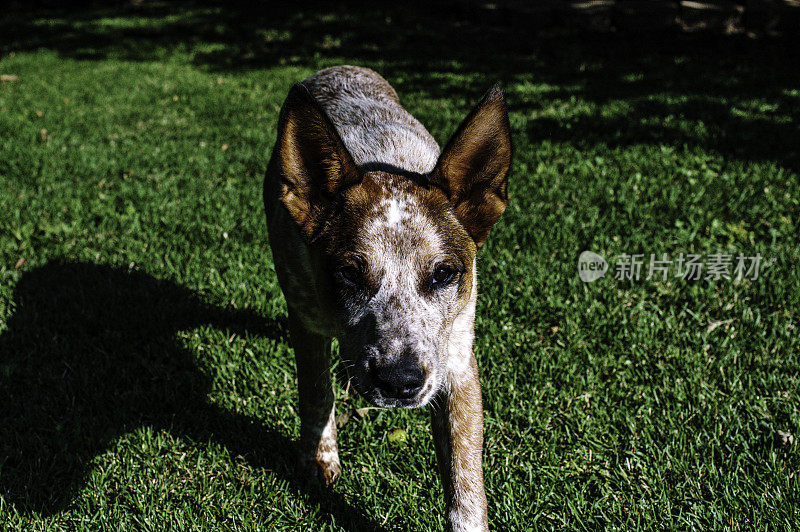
point(376, 397)
point(400, 392)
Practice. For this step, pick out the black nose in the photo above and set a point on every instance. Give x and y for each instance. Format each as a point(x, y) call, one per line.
point(399, 380)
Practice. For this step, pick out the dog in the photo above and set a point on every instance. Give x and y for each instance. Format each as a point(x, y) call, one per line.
point(374, 233)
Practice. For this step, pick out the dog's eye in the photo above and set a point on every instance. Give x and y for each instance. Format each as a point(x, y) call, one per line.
point(350, 274)
point(443, 276)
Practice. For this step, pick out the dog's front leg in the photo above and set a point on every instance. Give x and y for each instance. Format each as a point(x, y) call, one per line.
point(457, 420)
point(319, 455)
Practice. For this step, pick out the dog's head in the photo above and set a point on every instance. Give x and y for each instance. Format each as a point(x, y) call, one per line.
point(395, 252)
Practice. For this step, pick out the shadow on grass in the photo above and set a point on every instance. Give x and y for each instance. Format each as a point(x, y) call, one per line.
point(455, 50)
point(90, 354)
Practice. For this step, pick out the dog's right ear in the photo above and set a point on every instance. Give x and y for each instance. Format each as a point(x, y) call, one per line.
point(472, 169)
point(314, 163)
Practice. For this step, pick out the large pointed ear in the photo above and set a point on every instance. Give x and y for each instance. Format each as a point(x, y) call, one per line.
point(313, 161)
point(472, 169)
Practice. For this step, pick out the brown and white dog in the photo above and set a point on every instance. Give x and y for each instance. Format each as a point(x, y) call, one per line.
point(374, 234)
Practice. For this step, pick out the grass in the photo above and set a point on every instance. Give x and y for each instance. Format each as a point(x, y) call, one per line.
point(145, 376)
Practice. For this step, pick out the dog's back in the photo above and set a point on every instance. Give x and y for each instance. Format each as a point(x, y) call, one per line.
point(374, 127)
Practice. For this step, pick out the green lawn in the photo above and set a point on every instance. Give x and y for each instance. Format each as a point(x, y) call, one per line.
point(145, 376)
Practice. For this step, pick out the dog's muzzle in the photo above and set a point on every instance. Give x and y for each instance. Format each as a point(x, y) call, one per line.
point(398, 380)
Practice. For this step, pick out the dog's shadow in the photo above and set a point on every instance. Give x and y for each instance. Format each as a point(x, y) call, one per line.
point(89, 354)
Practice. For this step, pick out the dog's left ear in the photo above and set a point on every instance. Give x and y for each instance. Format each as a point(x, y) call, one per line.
point(472, 169)
point(314, 162)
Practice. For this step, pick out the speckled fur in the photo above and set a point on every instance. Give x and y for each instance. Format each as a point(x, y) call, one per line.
point(373, 125)
point(355, 176)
